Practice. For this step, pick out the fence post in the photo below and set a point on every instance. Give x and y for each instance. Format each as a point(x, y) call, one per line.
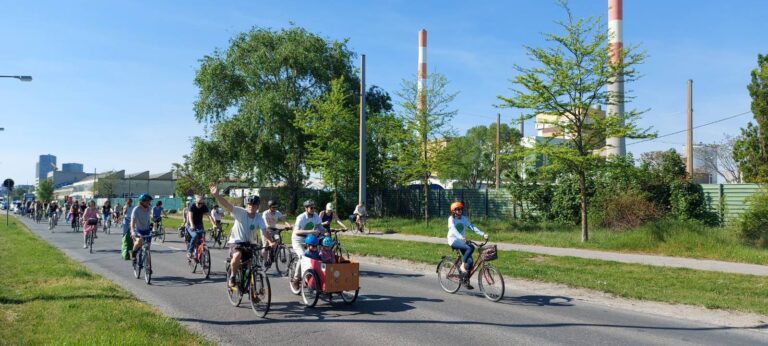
point(721, 206)
point(486, 203)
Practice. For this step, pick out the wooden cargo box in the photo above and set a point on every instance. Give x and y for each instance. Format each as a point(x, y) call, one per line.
point(341, 276)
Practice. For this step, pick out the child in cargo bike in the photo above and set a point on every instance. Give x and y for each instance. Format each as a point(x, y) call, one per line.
point(457, 224)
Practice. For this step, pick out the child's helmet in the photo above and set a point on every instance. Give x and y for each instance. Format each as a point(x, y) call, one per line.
point(456, 205)
point(311, 240)
point(328, 242)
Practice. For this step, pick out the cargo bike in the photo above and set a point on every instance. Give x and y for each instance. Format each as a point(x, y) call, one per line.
point(341, 278)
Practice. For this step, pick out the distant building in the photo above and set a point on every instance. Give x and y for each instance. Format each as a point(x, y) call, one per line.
point(45, 164)
point(63, 178)
point(704, 163)
point(72, 167)
point(119, 184)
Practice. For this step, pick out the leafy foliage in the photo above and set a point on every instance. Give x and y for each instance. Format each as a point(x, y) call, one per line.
point(751, 150)
point(754, 222)
point(44, 190)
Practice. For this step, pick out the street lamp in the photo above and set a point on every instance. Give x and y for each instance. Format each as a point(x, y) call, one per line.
point(21, 78)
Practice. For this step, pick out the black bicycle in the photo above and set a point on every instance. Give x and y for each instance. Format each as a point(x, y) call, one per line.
point(143, 260)
point(250, 278)
point(216, 235)
point(158, 231)
point(279, 255)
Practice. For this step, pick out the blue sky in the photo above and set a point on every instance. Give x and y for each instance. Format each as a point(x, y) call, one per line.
point(113, 80)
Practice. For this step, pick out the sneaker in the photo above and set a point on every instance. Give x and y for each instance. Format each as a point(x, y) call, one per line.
point(85, 246)
point(189, 256)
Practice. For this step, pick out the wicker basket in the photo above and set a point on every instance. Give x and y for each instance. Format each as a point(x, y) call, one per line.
point(488, 252)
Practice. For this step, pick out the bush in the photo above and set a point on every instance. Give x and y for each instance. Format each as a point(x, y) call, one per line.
point(173, 211)
point(688, 202)
point(754, 223)
point(626, 210)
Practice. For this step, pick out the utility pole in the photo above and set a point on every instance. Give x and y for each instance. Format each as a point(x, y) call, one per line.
point(421, 110)
point(361, 184)
point(498, 142)
point(689, 142)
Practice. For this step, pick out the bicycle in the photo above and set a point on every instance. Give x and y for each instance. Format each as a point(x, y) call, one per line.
point(358, 224)
point(75, 223)
point(107, 223)
point(90, 236)
point(52, 220)
point(201, 255)
point(277, 254)
point(338, 250)
point(250, 279)
point(143, 260)
point(158, 231)
point(489, 281)
point(216, 234)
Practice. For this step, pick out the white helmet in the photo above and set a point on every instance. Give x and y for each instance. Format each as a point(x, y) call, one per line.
point(329, 206)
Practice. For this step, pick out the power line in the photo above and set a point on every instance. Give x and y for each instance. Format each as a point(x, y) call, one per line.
point(695, 127)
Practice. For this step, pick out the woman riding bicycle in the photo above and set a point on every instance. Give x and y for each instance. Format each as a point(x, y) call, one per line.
point(90, 221)
point(457, 224)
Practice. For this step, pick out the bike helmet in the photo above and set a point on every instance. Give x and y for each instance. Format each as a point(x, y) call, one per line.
point(252, 200)
point(311, 240)
point(144, 197)
point(329, 207)
point(456, 205)
point(309, 203)
point(272, 203)
point(328, 242)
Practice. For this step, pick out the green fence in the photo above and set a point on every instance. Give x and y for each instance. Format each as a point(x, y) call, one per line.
point(729, 200)
point(410, 202)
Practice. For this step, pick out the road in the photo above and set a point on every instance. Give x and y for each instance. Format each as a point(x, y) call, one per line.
point(397, 306)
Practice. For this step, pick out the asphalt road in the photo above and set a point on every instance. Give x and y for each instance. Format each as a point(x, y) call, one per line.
point(396, 306)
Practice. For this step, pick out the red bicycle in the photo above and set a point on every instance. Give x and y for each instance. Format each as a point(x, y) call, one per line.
point(489, 281)
point(201, 256)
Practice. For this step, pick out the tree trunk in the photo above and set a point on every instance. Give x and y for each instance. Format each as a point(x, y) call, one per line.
point(583, 193)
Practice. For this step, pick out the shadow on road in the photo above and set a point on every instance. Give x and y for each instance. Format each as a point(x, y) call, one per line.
point(382, 275)
point(538, 301)
point(180, 281)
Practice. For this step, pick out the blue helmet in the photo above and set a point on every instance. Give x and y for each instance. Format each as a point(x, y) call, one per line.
point(145, 197)
point(311, 240)
point(327, 242)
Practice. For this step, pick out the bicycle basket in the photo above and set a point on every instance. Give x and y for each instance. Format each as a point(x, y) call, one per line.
point(489, 253)
point(93, 222)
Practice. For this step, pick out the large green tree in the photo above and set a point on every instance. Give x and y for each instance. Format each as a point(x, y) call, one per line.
point(428, 127)
point(252, 96)
point(751, 150)
point(44, 190)
point(568, 80)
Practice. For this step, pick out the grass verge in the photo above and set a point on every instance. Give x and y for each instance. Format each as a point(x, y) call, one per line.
point(673, 285)
point(666, 237)
point(46, 298)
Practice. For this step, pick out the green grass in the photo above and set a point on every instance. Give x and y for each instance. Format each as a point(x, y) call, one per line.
point(674, 285)
point(669, 238)
point(47, 298)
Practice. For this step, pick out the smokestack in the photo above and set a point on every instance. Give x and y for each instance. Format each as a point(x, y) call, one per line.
point(616, 146)
point(422, 81)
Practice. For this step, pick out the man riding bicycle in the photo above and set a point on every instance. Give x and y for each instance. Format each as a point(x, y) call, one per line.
point(196, 226)
point(140, 223)
point(243, 233)
point(106, 212)
point(271, 217)
point(307, 223)
point(457, 224)
point(157, 214)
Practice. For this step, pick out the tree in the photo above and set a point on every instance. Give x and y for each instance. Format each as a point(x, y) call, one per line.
point(106, 185)
point(44, 190)
point(569, 81)
point(253, 94)
point(751, 150)
point(471, 159)
point(723, 162)
point(427, 126)
point(186, 181)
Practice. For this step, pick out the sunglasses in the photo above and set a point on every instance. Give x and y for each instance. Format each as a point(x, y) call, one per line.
point(311, 207)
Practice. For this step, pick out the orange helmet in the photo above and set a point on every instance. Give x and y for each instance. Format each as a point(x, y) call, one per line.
point(456, 205)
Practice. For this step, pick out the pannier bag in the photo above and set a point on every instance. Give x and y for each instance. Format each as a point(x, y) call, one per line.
point(93, 221)
point(488, 252)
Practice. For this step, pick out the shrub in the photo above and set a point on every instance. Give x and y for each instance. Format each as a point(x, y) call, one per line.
point(173, 211)
point(688, 202)
point(754, 222)
point(626, 210)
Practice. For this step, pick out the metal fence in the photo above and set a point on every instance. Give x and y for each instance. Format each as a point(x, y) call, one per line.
point(729, 201)
point(410, 202)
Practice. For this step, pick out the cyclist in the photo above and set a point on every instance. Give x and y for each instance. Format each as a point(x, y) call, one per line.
point(116, 213)
point(328, 216)
point(271, 218)
point(243, 231)
point(90, 221)
point(216, 214)
point(457, 224)
point(307, 223)
point(157, 214)
point(360, 215)
point(106, 211)
point(74, 212)
point(140, 223)
point(82, 207)
point(196, 226)
point(53, 211)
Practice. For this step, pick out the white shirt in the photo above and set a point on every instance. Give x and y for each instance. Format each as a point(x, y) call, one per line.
point(271, 219)
point(306, 223)
point(216, 214)
point(359, 210)
point(245, 227)
point(456, 228)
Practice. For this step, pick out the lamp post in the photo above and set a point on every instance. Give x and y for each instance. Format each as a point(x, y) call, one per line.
point(21, 78)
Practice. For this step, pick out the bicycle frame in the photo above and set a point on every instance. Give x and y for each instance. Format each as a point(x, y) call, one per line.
point(477, 264)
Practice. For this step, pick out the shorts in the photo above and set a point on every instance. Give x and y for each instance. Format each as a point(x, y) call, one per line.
point(244, 249)
point(146, 234)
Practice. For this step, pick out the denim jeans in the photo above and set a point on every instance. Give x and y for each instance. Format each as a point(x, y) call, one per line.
point(466, 251)
point(193, 234)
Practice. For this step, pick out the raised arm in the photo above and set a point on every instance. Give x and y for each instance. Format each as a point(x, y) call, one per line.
point(219, 199)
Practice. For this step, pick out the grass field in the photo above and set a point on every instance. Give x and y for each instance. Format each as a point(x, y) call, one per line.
point(46, 298)
point(669, 238)
point(674, 285)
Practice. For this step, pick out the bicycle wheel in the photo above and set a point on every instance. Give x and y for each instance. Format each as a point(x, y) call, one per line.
point(276, 259)
point(491, 283)
point(90, 240)
point(293, 265)
point(137, 264)
point(147, 266)
point(310, 291)
point(50, 225)
point(162, 234)
point(260, 294)
point(448, 275)
point(349, 297)
point(232, 292)
point(205, 262)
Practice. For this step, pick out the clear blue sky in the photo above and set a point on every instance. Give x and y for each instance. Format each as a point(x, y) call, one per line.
point(113, 80)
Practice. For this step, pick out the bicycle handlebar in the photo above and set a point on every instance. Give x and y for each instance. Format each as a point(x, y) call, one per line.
point(477, 244)
point(337, 230)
